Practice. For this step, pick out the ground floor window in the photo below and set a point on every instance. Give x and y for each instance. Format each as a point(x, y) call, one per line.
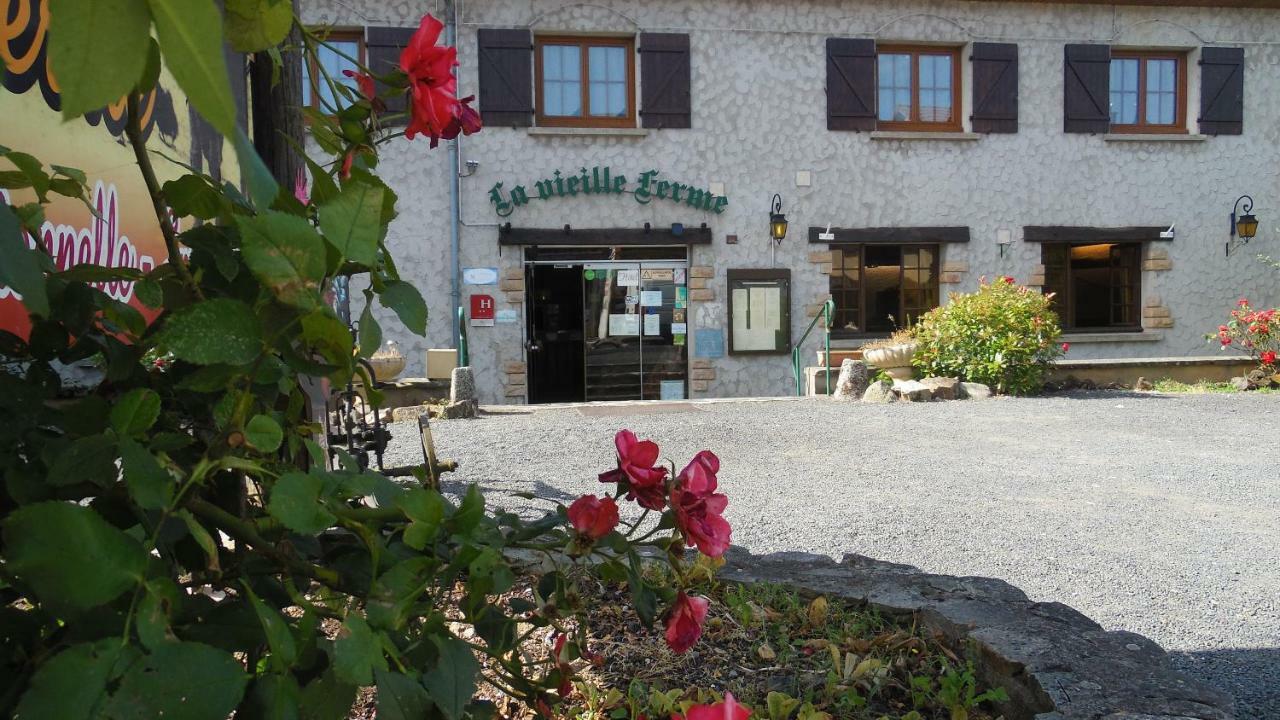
point(1096, 286)
point(877, 288)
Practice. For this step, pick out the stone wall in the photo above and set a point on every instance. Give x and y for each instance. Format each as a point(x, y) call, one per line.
point(759, 127)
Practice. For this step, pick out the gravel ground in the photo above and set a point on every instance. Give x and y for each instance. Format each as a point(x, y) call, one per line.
point(1150, 513)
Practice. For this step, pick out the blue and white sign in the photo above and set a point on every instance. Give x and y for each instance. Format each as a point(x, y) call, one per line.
point(708, 343)
point(480, 276)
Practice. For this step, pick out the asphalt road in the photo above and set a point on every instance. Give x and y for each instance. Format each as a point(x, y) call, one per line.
point(1152, 513)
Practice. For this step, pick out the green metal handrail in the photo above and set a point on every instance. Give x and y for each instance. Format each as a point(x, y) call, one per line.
point(828, 308)
point(464, 359)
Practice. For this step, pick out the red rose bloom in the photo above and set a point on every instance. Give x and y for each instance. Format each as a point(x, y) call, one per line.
point(364, 81)
point(635, 467)
point(727, 710)
point(684, 622)
point(1008, 278)
point(593, 517)
point(435, 109)
point(1269, 357)
point(699, 507)
point(1066, 347)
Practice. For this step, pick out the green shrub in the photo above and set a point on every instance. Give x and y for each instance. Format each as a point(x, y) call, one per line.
point(1005, 335)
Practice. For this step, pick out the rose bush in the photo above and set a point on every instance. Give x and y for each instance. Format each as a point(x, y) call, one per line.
point(1253, 331)
point(178, 541)
point(1004, 335)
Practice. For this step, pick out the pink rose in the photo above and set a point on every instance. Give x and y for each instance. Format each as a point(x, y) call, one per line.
point(644, 482)
point(684, 622)
point(1066, 347)
point(593, 517)
point(699, 507)
point(727, 710)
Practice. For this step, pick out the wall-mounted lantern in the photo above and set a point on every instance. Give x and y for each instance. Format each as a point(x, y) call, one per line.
point(1004, 238)
point(777, 221)
point(1243, 225)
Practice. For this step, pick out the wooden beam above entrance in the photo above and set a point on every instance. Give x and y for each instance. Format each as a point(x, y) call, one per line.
point(891, 235)
point(567, 235)
point(1068, 234)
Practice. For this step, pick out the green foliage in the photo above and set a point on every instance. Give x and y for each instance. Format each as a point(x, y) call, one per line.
point(176, 541)
point(1004, 335)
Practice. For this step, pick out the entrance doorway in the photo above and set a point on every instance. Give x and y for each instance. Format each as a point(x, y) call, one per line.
point(607, 323)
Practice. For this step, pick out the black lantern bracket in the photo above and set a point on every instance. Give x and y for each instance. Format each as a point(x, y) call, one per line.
point(777, 221)
point(1244, 225)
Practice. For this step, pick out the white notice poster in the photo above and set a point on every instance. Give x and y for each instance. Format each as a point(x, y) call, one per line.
point(628, 278)
point(653, 324)
point(678, 329)
point(651, 298)
point(621, 325)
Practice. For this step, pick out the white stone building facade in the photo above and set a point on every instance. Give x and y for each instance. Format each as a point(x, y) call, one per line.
point(1098, 200)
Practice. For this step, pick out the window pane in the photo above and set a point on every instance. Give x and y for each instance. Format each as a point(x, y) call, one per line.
point(607, 70)
point(333, 64)
point(1162, 91)
point(882, 280)
point(845, 265)
point(894, 91)
point(935, 88)
point(1124, 91)
point(561, 80)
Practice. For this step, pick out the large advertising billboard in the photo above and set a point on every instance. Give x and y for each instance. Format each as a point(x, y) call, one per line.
point(124, 231)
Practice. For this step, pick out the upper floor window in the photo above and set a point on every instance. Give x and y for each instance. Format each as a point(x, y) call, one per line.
point(585, 81)
point(918, 88)
point(878, 288)
point(344, 47)
point(1148, 92)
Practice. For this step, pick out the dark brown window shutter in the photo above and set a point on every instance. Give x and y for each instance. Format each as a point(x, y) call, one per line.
point(506, 77)
point(995, 88)
point(1222, 91)
point(665, 79)
point(382, 46)
point(1086, 102)
point(851, 84)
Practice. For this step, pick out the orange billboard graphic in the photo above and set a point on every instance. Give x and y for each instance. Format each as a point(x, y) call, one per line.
point(120, 230)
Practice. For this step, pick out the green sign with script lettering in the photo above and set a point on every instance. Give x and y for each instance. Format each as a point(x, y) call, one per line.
point(602, 181)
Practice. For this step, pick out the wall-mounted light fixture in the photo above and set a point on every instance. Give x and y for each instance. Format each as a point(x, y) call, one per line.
point(777, 221)
point(1243, 226)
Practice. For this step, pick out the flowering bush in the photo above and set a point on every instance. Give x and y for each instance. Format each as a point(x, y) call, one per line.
point(1004, 335)
point(177, 541)
point(1252, 331)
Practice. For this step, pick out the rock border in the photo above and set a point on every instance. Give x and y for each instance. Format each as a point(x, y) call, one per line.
point(1054, 662)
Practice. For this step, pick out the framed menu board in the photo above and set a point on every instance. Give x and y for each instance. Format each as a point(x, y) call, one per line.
point(759, 311)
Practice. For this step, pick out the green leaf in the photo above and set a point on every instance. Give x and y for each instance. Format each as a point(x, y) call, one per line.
point(352, 222)
point(72, 557)
point(328, 336)
point(70, 685)
point(469, 513)
point(181, 681)
point(152, 618)
point(408, 304)
point(150, 76)
point(263, 433)
point(327, 698)
point(271, 697)
point(425, 507)
point(453, 681)
point(88, 459)
point(283, 650)
point(295, 501)
point(262, 185)
point(135, 412)
point(255, 25)
point(357, 652)
point(20, 266)
point(190, 35)
point(286, 254)
point(214, 331)
point(192, 195)
point(97, 50)
point(400, 697)
point(370, 330)
point(150, 485)
point(202, 537)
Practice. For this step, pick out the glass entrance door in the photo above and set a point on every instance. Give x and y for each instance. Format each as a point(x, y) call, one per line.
point(630, 337)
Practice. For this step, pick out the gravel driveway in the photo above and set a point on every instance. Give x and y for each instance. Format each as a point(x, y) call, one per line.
point(1151, 513)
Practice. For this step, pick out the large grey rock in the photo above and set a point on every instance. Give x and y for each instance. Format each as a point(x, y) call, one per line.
point(880, 391)
point(913, 390)
point(974, 391)
point(852, 383)
point(1054, 662)
point(462, 385)
point(460, 410)
point(943, 388)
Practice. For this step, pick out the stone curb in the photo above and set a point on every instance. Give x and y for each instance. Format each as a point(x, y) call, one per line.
point(1055, 663)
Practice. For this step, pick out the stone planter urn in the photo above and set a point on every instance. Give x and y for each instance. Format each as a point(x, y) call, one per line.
point(387, 362)
point(895, 360)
